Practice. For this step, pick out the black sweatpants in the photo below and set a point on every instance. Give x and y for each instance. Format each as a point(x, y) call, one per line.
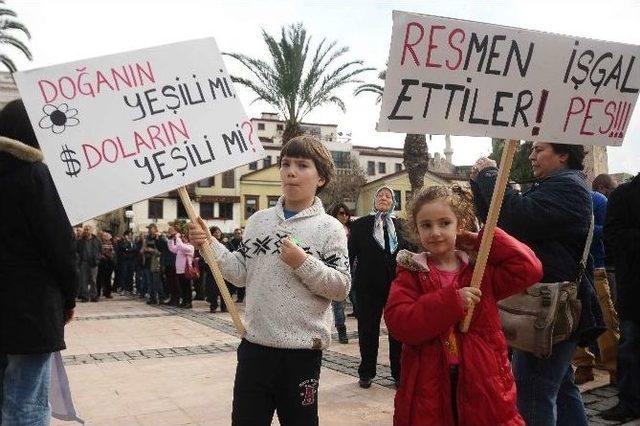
point(371, 303)
point(272, 379)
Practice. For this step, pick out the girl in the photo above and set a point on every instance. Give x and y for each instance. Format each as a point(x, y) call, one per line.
point(450, 378)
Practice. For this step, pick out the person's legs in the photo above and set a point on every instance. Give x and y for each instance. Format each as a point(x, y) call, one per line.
point(395, 351)
point(608, 341)
point(339, 318)
point(546, 391)
point(93, 288)
point(25, 389)
point(107, 285)
point(570, 408)
point(584, 360)
point(338, 313)
point(254, 386)
point(240, 291)
point(629, 366)
point(354, 302)
point(297, 387)
point(85, 277)
point(172, 283)
point(155, 290)
point(185, 289)
point(369, 316)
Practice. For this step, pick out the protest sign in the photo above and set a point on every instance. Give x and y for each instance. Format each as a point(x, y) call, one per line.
point(118, 129)
point(449, 76)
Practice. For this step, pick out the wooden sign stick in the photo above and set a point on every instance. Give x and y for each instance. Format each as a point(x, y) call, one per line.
point(207, 251)
point(506, 161)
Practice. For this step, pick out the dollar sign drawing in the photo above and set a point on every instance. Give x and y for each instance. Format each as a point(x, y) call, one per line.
point(68, 158)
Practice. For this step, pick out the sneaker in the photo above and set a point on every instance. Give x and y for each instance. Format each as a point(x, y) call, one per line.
point(619, 413)
point(583, 375)
point(365, 383)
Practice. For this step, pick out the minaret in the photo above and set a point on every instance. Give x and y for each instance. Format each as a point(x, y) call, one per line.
point(448, 151)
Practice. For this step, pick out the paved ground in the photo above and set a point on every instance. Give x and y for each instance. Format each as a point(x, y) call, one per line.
point(133, 364)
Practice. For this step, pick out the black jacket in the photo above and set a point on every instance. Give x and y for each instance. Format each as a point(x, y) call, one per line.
point(622, 235)
point(38, 275)
point(376, 268)
point(552, 218)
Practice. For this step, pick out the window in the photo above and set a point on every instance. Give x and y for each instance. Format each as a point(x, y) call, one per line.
point(340, 159)
point(253, 165)
point(272, 201)
point(206, 210)
point(229, 179)
point(382, 167)
point(155, 209)
point(226, 210)
point(260, 126)
point(182, 212)
point(250, 205)
point(280, 127)
point(371, 168)
point(398, 167)
point(207, 182)
point(398, 196)
point(266, 162)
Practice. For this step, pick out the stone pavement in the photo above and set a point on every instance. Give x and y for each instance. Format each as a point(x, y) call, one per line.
point(133, 364)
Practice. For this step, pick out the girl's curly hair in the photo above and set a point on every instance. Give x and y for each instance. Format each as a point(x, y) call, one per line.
point(459, 199)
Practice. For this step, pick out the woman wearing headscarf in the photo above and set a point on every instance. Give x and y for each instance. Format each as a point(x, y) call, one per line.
point(374, 241)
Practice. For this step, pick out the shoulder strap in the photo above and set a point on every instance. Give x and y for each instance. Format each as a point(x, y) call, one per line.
point(587, 247)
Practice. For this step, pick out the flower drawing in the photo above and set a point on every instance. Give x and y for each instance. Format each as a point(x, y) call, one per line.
point(57, 118)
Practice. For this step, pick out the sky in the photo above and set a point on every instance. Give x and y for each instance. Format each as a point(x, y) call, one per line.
point(70, 30)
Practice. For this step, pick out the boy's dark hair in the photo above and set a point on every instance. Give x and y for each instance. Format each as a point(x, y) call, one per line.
point(575, 154)
point(14, 124)
point(311, 148)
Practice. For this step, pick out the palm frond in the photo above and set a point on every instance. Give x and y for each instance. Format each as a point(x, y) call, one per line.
point(295, 81)
point(7, 39)
point(8, 63)
point(12, 24)
point(8, 12)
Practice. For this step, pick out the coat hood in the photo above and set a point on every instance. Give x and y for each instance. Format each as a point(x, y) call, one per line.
point(19, 150)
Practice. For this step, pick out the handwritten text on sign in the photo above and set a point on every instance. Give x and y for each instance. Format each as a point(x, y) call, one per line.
point(448, 76)
point(121, 128)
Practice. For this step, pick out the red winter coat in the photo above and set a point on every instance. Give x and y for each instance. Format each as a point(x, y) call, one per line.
point(420, 313)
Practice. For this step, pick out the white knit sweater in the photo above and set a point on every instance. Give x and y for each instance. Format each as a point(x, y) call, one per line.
point(287, 308)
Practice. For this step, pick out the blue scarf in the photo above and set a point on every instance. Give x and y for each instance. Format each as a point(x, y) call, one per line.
point(383, 218)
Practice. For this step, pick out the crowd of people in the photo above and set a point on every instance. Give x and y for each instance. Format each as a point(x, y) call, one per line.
point(303, 265)
point(158, 266)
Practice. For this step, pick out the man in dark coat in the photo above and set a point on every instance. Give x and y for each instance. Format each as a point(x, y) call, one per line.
point(622, 234)
point(374, 245)
point(38, 276)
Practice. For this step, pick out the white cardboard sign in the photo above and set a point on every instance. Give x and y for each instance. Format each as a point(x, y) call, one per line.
point(118, 129)
point(449, 76)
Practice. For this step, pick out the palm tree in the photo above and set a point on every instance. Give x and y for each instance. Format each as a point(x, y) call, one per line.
point(296, 83)
point(415, 151)
point(7, 25)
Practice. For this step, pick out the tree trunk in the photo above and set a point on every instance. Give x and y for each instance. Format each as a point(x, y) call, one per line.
point(416, 160)
point(291, 130)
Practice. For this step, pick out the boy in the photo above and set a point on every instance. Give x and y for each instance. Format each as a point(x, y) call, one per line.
point(294, 261)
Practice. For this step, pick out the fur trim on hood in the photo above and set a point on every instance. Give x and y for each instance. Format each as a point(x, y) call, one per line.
point(417, 262)
point(20, 150)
